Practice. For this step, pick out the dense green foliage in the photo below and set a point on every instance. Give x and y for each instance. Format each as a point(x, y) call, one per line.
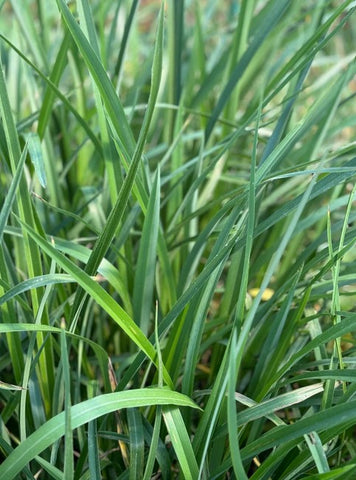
point(177, 262)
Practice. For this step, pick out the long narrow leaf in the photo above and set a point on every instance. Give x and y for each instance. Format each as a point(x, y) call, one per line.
point(81, 414)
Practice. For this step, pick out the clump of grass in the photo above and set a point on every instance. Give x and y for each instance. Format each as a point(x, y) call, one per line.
point(177, 232)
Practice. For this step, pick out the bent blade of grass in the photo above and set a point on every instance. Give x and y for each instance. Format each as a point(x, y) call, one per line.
point(101, 297)
point(81, 253)
point(42, 281)
point(10, 386)
point(106, 269)
point(81, 414)
point(264, 409)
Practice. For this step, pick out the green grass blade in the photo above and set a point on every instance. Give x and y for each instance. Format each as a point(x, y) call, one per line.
point(81, 414)
point(146, 263)
point(125, 36)
point(35, 151)
point(54, 472)
point(49, 97)
point(153, 445)
point(317, 451)
point(42, 281)
point(256, 410)
point(137, 443)
point(11, 194)
point(307, 51)
point(68, 435)
point(93, 450)
point(181, 442)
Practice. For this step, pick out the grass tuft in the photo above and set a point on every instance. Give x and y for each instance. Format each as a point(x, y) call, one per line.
point(177, 228)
